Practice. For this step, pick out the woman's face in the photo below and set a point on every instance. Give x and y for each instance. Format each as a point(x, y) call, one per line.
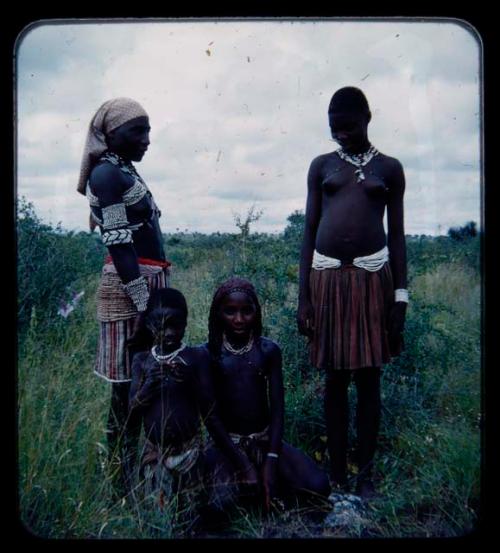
point(130, 140)
point(238, 315)
point(167, 326)
point(350, 131)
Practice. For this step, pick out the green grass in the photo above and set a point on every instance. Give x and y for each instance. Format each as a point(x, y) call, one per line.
point(428, 460)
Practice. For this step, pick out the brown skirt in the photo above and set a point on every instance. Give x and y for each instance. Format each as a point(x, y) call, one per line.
point(351, 308)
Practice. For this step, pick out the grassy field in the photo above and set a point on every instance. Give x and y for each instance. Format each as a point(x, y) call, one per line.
point(428, 460)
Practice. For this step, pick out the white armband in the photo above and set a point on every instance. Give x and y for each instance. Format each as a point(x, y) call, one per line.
point(401, 294)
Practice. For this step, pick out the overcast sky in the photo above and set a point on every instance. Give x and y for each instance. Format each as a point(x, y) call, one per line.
point(238, 110)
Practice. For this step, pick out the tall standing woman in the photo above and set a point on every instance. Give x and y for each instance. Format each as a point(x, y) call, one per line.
point(122, 206)
point(352, 292)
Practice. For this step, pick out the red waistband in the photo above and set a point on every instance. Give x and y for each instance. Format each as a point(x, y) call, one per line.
point(143, 261)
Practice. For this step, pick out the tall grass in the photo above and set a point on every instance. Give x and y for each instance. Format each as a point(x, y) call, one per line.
point(427, 463)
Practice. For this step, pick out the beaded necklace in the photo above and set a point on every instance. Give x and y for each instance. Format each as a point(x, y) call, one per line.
point(245, 349)
point(358, 160)
point(165, 359)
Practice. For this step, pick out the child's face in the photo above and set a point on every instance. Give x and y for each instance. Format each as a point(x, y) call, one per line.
point(167, 326)
point(238, 315)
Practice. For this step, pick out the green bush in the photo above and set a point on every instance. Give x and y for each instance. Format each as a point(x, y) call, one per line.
point(50, 264)
point(428, 457)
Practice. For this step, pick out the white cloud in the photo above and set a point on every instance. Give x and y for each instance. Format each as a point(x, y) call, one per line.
point(241, 125)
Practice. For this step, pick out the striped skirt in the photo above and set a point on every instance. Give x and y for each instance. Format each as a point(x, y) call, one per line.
point(113, 362)
point(351, 308)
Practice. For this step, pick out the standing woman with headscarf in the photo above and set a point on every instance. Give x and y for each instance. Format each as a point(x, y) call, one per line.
point(123, 208)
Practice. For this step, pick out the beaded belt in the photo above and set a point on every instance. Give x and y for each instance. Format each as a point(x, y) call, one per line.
point(372, 262)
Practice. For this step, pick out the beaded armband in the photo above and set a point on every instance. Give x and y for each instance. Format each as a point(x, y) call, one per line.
point(138, 292)
point(401, 294)
point(114, 216)
point(120, 236)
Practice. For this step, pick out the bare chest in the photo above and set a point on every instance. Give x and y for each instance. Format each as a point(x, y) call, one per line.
point(340, 179)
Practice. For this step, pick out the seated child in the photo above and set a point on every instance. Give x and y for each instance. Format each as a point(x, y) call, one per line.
point(248, 388)
point(165, 395)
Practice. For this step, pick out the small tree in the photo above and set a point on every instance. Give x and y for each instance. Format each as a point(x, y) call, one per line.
point(244, 226)
point(295, 228)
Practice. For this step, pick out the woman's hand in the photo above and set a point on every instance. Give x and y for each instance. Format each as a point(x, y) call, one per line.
point(155, 372)
point(269, 471)
point(397, 318)
point(305, 318)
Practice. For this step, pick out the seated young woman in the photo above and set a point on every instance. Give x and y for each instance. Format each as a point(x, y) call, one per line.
point(249, 457)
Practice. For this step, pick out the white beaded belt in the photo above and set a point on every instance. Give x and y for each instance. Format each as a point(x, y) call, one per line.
point(373, 262)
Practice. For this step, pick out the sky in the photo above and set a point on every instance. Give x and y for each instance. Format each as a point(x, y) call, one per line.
point(238, 110)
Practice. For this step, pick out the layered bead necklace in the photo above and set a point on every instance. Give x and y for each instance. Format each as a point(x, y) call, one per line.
point(245, 349)
point(358, 160)
point(165, 359)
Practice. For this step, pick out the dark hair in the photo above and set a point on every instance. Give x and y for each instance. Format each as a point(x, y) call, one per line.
point(348, 100)
point(142, 339)
point(215, 329)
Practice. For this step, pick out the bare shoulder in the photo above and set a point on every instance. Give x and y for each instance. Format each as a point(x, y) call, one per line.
point(391, 164)
point(140, 355)
point(268, 346)
point(319, 162)
point(104, 174)
point(139, 360)
point(196, 354)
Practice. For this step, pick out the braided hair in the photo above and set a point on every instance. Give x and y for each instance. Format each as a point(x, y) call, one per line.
point(215, 327)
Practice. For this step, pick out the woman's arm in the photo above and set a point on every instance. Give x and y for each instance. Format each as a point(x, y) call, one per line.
point(312, 217)
point(395, 226)
point(397, 249)
point(277, 414)
point(108, 184)
point(276, 397)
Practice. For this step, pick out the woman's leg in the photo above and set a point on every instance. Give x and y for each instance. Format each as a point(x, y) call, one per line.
point(337, 422)
point(297, 472)
point(367, 423)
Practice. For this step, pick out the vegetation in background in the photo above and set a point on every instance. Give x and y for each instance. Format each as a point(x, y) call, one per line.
point(428, 460)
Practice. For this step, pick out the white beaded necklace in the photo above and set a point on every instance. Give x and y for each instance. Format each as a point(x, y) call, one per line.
point(165, 359)
point(245, 349)
point(358, 160)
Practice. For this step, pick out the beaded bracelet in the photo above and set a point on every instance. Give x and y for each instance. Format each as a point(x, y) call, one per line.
point(401, 294)
point(138, 292)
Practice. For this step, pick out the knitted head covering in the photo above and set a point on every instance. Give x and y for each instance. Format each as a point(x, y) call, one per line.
point(111, 115)
point(233, 284)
